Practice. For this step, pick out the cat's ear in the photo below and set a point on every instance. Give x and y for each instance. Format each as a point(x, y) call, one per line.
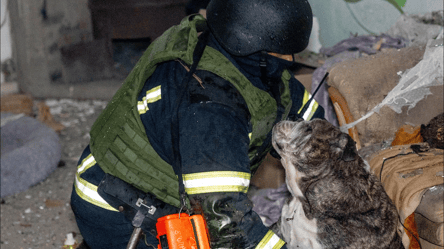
point(345, 147)
point(279, 138)
point(350, 152)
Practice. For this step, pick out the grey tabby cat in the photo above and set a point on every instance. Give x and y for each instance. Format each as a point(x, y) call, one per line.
point(336, 202)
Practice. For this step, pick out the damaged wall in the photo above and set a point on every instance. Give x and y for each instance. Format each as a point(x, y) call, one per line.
point(6, 50)
point(62, 50)
point(40, 29)
point(336, 19)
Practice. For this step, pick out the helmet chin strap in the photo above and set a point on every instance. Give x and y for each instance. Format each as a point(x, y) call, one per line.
point(263, 67)
point(275, 85)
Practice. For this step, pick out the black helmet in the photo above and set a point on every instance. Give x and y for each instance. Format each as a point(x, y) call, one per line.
point(244, 27)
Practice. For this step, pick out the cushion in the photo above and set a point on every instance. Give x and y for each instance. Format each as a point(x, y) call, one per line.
point(364, 83)
point(30, 151)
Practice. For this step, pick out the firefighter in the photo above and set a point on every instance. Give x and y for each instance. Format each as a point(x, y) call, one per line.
point(223, 114)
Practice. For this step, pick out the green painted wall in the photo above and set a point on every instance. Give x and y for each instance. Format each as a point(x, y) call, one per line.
point(336, 20)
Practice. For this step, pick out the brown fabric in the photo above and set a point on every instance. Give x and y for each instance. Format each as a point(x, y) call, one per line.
point(270, 174)
point(407, 134)
point(44, 116)
point(406, 175)
point(412, 232)
point(17, 103)
point(364, 83)
point(306, 80)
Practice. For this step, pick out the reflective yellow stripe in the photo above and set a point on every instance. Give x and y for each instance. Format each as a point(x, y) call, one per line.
point(86, 163)
point(152, 96)
point(86, 190)
point(249, 135)
point(213, 189)
point(141, 108)
point(304, 100)
point(217, 181)
point(311, 108)
point(270, 241)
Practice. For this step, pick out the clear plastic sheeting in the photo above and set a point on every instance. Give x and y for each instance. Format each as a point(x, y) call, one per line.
point(414, 83)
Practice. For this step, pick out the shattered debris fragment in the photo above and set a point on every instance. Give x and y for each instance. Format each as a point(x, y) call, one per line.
point(70, 242)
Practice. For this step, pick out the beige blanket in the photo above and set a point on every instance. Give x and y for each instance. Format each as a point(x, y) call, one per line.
point(406, 175)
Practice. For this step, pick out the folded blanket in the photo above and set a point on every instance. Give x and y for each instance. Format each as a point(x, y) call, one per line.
point(406, 172)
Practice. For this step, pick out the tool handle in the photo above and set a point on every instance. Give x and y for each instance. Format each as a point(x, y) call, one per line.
point(134, 238)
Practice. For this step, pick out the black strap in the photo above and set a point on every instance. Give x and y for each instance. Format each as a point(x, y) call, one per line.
point(263, 67)
point(142, 209)
point(304, 109)
point(177, 161)
point(275, 86)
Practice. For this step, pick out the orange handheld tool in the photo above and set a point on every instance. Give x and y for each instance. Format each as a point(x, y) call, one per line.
point(182, 231)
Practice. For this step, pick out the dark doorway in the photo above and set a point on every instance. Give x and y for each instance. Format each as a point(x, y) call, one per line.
point(122, 30)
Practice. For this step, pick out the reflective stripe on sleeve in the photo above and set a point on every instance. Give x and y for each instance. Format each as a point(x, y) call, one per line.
point(270, 241)
point(86, 163)
point(311, 108)
point(88, 191)
point(216, 181)
point(152, 96)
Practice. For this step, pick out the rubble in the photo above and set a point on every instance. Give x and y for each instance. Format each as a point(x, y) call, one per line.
point(47, 227)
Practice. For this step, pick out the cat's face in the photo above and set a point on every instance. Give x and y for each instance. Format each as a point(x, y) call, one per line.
point(307, 145)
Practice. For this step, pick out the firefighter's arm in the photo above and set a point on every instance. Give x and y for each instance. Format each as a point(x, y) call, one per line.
point(216, 176)
point(232, 223)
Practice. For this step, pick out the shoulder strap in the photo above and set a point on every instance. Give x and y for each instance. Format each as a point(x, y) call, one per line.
point(275, 87)
point(177, 162)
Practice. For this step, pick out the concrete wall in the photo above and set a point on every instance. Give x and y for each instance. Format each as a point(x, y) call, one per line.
point(39, 30)
point(57, 53)
point(6, 49)
point(46, 33)
point(336, 20)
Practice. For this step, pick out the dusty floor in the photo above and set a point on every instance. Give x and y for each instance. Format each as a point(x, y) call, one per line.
point(41, 217)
